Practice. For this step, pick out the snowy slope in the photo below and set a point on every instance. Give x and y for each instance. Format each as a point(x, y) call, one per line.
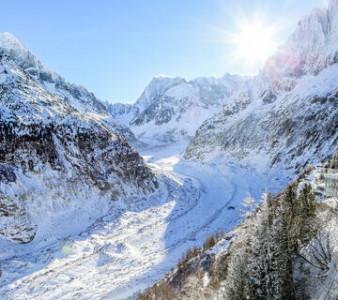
point(292, 116)
point(310, 49)
point(208, 273)
point(171, 109)
point(77, 96)
point(87, 173)
point(119, 256)
point(56, 162)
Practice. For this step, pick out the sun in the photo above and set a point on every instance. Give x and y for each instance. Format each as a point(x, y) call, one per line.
point(254, 42)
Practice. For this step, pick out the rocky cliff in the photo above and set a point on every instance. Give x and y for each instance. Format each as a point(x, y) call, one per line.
point(59, 159)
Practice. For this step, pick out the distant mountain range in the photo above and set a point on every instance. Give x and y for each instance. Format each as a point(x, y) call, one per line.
point(286, 115)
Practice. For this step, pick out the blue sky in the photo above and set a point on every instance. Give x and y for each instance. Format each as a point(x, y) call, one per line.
point(115, 47)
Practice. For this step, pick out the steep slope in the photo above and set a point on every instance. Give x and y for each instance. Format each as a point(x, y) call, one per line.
point(77, 96)
point(310, 49)
point(171, 109)
point(80, 98)
point(58, 166)
point(292, 117)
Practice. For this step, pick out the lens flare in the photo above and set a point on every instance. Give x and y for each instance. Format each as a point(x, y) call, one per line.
point(66, 249)
point(254, 42)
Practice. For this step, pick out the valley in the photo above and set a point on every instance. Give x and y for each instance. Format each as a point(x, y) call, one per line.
point(123, 253)
point(100, 199)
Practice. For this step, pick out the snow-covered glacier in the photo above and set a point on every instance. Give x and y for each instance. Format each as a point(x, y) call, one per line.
point(84, 215)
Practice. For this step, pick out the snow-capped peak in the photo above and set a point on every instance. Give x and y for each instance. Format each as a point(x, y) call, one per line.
point(333, 4)
point(23, 56)
point(79, 97)
point(311, 48)
point(10, 42)
point(291, 112)
point(156, 88)
point(171, 109)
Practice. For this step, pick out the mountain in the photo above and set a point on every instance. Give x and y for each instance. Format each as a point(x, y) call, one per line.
point(62, 165)
point(83, 216)
point(292, 114)
point(79, 98)
point(171, 109)
point(272, 116)
point(279, 121)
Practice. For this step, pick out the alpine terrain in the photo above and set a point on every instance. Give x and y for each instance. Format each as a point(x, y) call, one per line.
point(158, 199)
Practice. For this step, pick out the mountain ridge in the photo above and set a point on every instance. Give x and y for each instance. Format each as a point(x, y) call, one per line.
point(48, 144)
point(171, 109)
point(77, 96)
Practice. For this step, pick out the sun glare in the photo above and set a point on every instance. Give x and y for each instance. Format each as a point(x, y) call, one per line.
point(254, 42)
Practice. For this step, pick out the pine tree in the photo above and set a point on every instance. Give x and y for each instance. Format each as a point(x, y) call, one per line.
point(283, 252)
point(238, 285)
point(271, 261)
point(306, 225)
point(290, 201)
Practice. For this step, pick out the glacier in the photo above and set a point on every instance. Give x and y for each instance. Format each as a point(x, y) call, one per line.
point(91, 217)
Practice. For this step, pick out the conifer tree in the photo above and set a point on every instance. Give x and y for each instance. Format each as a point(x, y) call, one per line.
point(271, 261)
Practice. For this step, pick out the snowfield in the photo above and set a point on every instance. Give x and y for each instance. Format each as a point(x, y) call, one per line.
point(125, 252)
point(108, 231)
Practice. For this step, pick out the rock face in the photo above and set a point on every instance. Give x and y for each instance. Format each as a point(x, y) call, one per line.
point(287, 114)
point(171, 109)
point(59, 156)
point(310, 49)
point(15, 223)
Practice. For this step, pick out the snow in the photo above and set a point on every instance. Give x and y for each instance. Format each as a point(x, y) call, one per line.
point(128, 250)
point(181, 130)
point(94, 249)
point(255, 134)
point(172, 109)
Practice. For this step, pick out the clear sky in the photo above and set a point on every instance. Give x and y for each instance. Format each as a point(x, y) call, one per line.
point(115, 47)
